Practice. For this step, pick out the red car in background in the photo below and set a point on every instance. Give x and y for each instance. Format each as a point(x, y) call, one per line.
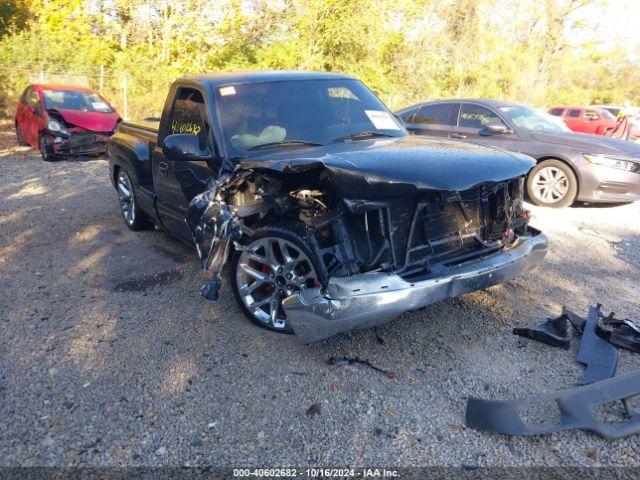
point(585, 119)
point(62, 120)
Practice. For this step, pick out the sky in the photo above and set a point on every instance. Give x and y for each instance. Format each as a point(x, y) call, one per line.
point(622, 20)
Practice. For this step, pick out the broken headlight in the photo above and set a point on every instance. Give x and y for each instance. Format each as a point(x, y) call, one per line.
point(54, 126)
point(613, 162)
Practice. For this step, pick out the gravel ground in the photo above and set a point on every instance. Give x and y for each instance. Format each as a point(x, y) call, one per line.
point(109, 356)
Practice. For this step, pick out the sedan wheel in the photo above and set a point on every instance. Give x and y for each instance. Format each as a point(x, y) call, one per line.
point(268, 270)
point(552, 183)
point(45, 149)
point(21, 142)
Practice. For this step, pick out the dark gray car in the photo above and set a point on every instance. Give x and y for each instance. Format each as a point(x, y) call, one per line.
point(571, 166)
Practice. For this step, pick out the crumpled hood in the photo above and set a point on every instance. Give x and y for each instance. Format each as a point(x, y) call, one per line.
point(587, 143)
point(94, 121)
point(396, 166)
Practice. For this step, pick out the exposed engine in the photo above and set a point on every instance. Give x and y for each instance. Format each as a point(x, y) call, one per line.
point(413, 236)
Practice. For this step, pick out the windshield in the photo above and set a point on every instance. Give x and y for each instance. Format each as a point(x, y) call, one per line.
point(301, 114)
point(75, 100)
point(532, 120)
point(606, 114)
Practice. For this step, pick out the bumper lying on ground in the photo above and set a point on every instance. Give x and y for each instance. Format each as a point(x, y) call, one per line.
point(370, 299)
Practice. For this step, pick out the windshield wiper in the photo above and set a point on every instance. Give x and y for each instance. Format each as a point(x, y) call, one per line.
point(361, 136)
point(285, 143)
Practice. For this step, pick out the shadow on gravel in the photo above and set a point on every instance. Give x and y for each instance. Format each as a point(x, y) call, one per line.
point(579, 205)
point(146, 282)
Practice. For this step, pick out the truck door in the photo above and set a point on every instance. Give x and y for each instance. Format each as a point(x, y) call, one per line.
point(176, 183)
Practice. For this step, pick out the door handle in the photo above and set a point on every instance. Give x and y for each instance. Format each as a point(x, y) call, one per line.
point(164, 168)
point(458, 135)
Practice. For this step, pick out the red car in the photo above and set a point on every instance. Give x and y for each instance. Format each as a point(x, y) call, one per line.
point(62, 120)
point(597, 121)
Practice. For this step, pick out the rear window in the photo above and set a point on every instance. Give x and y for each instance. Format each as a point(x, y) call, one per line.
point(75, 100)
point(439, 114)
point(574, 113)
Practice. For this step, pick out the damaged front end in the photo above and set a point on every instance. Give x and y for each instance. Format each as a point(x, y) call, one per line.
point(66, 139)
point(213, 227)
point(383, 247)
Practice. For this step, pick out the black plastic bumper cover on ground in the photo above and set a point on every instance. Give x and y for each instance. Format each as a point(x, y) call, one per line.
point(575, 406)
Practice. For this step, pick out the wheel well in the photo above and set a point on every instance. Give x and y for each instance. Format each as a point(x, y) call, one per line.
point(116, 169)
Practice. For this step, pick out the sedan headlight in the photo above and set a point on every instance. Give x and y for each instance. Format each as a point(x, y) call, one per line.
point(613, 162)
point(56, 127)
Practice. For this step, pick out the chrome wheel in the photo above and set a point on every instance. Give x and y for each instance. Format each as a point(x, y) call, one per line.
point(268, 270)
point(126, 199)
point(550, 185)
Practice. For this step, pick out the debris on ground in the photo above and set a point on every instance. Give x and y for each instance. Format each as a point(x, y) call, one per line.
point(354, 360)
point(553, 332)
point(598, 355)
point(621, 333)
point(600, 336)
point(313, 410)
point(575, 406)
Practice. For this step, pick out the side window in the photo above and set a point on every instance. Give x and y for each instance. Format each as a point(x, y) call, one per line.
point(406, 116)
point(574, 113)
point(476, 116)
point(557, 112)
point(591, 115)
point(438, 114)
point(188, 115)
point(26, 96)
point(31, 98)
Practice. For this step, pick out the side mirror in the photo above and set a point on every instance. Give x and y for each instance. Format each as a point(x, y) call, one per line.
point(497, 129)
point(184, 148)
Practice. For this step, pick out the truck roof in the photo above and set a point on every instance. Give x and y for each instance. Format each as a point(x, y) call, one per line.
point(225, 78)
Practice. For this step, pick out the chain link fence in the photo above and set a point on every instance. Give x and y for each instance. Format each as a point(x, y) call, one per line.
point(131, 95)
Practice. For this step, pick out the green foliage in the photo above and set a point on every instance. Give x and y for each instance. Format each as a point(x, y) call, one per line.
point(404, 50)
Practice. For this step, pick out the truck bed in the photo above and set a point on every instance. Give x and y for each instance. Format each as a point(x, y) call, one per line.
point(146, 128)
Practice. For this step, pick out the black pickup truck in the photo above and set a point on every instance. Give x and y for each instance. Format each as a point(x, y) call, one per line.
point(330, 215)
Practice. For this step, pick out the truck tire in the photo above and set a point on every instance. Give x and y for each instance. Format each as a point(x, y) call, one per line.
point(46, 152)
point(275, 263)
point(552, 183)
point(134, 217)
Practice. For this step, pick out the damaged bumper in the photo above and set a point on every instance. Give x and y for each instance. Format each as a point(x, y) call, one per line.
point(79, 143)
point(370, 299)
